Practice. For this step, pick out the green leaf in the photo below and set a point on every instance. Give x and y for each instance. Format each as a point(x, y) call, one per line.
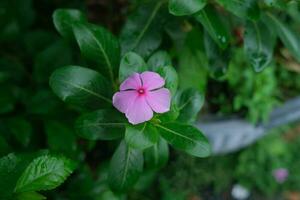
point(287, 35)
point(171, 78)
point(60, 138)
point(44, 173)
point(189, 103)
point(99, 46)
point(4, 146)
point(157, 156)
point(142, 30)
point(130, 63)
point(80, 86)
point(21, 129)
point(186, 138)
point(242, 8)
point(30, 196)
point(218, 60)
point(125, 167)
point(159, 59)
point(258, 44)
point(64, 19)
point(185, 7)
point(7, 99)
point(56, 55)
point(172, 115)
point(101, 125)
point(214, 25)
point(141, 136)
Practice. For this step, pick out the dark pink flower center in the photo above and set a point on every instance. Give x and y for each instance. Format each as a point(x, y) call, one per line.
point(141, 91)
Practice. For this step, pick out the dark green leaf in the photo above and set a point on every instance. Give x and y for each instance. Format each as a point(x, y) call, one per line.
point(44, 173)
point(21, 129)
point(80, 86)
point(4, 146)
point(142, 30)
point(56, 55)
point(242, 8)
point(214, 25)
point(60, 138)
point(101, 125)
point(141, 136)
point(159, 59)
point(186, 138)
point(287, 35)
point(125, 167)
point(258, 44)
point(185, 7)
point(172, 115)
point(157, 156)
point(189, 103)
point(130, 63)
point(99, 46)
point(64, 19)
point(7, 100)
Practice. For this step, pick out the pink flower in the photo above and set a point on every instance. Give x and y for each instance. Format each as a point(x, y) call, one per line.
point(280, 174)
point(140, 95)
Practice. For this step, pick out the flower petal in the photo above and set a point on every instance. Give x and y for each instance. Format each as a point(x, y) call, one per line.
point(132, 82)
point(123, 100)
point(152, 80)
point(159, 100)
point(139, 111)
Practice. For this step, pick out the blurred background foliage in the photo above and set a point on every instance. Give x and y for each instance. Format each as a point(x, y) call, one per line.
point(225, 69)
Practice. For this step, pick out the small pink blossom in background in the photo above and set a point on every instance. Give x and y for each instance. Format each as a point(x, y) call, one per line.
point(280, 174)
point(140, 95)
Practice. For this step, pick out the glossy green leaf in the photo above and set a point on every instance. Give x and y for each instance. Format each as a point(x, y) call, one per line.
point(242, 8)
point(159, 59)
point(171, 78)
point(130, 63)
point(21, 129)
point(218, 60)
point(189, 103)
point(214, 25)
point(64, 19)
point(141, 136)
point(142, 30)
point(99, 46)
point(289, 37)
point(125, 167)
point(258, 44)
point(172, 115)
point(60, 138)
point(80, 86)
point(101, 125)
point(185, 7)
point(186, 138)
point(30, 196)
point(157, 156)
point(44, 173)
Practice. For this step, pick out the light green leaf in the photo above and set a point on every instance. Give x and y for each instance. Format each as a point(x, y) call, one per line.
point(44, 173)
point(171, 78)
point(130, 63)
point(186, 138)
point(64, 19)
point(101, 125)
point(80, 86)
point(125, 167)
point(141, 136)
point(157, 156)
point(258, 45)
point(185, 7)
point(98, 46)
